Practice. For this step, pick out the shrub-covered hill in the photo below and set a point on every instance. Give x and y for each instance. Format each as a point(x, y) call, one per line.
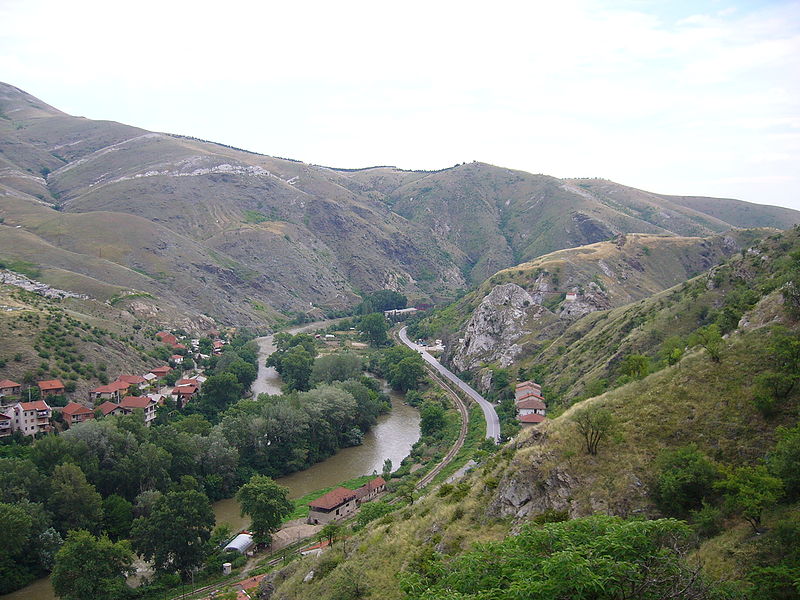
point(82, 342)
point(695, 440)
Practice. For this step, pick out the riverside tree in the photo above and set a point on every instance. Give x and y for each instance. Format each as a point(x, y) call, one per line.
point(92, 567)
point(266, 503)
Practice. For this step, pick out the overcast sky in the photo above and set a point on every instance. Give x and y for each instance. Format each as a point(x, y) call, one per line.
point(682, 97)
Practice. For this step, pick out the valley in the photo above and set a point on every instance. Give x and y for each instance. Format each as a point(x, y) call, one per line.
point(628, 363)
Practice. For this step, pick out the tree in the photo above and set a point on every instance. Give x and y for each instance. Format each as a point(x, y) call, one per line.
point(784, 461)
point(594, 423)
point(685, 478)
point(748, 491)
point(375, 327)
point(117, 516)
point(371, 511)
point(266, 503)
point(220, 391)
point(635, 366)
point(74, 502)
point(408, 373)
point(432, 418)
point(336, 367)
point(387, 468)
point(174, 535)
point(331, 531)
point(91, 567)
point(380, 301)
point(296, 367)
point(710, 338)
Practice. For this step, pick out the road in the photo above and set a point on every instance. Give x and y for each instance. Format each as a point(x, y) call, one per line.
point(492, 422)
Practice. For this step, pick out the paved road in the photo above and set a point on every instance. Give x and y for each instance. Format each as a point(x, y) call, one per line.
point(492, 422)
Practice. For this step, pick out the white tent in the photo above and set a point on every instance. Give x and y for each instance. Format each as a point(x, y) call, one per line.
point(241, 543)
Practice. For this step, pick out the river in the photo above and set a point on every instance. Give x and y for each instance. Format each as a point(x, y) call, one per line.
point(391, 438)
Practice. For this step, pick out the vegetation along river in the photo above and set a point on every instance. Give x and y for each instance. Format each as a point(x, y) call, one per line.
point(391, 438)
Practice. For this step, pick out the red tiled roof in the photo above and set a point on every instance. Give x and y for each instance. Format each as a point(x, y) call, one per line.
point(333, 498)
point(108, 407)
point(161, 370)
point(176, 357)
point(177, 346)
point(184, 389)
point(50, 384)
point(531, 418)
point(527, 395)
point(185, 381)
point(135, 402)
point(368, 487)
point(532, 403)
point(73, 408)
point(119, 385)
point(105, 389)
point(7, 383)
point(35, 405)
point(132, 379)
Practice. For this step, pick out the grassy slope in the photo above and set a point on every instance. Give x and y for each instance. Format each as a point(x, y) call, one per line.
point(696, 401)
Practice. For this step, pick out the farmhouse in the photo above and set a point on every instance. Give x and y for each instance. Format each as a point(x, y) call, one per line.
point(336, 504)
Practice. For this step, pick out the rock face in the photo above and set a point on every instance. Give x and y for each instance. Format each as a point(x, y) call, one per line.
point(492, 333)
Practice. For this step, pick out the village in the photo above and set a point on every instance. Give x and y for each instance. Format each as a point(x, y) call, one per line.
point(126, 394)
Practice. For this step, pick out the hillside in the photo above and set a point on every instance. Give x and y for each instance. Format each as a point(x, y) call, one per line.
point(699, 409)
point(105, 209)
point(519, 311)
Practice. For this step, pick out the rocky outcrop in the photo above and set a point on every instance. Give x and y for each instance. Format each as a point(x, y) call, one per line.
point(501, 319)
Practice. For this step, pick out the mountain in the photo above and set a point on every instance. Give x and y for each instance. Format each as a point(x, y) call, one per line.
point(115, 211)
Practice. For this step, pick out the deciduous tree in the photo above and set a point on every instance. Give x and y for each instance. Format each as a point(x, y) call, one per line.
point(266, 503)
point(91, 567)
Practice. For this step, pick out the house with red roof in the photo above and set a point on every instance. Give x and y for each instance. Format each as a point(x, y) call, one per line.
point(176, 358)
point(31, 418)
point(76, 413)
point(10, 388)
point(136, 380)
point(370, 490)
point(167, 338)
point(526, 388)
point(147, 404)
point(528, 420)
point(111, 408)
point(51, 387)
point(184, 394)
point(112, 391)
point(336, 504)
point(161, 371)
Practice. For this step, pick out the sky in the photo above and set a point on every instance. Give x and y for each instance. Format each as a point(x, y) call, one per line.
point(680, 97)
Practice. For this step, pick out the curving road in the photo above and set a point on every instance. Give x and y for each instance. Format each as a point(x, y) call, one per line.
point(492, 422)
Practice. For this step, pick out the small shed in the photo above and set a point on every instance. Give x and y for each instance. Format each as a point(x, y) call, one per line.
point(242, 543)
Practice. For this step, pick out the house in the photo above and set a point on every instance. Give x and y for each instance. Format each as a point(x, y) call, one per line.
point(571, 296)
point(31, 418)
point(111, 408)
point(166, 337)
point(187, 381)
point(370, 490)
point(336, 504)
point(530, 420)
point(112, 391)
point(531, 405)
point(218, 347)
point(184, 394)
point(178, 346)
point(176, 358)
point(147, 404)
point(76, 413)
point(161, 371)
point(5, 425)
point(525, 388)
point(9, 388)
point(141, 382)
point(150, 378)
point(51, 387)
point(399, 314)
